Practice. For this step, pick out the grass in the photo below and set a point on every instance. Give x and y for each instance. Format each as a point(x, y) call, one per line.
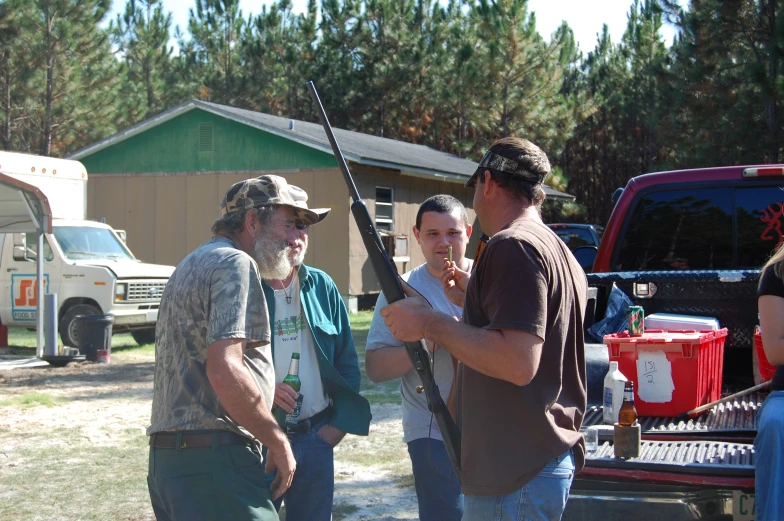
point(80, 481)
point(30, 400)
point(386, 392)
point(59, 473)
point(121, 342)
point(342, 509)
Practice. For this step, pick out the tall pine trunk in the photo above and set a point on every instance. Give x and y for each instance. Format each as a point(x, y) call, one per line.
point(46, 136)
point(6, 56)
point(771, 109)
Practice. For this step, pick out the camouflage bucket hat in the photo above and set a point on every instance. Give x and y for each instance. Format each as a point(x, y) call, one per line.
point(300, 197)
point(267, 190)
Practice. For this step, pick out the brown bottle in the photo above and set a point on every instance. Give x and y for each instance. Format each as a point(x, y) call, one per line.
point(627, 415)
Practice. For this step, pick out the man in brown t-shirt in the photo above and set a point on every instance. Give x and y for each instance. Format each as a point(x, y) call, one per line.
point(522, 393)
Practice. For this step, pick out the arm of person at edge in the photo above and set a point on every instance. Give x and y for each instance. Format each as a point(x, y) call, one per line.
point(771, 313)
point(506, 354)
point(242, 399)
point(389, 362)
point(455, 283)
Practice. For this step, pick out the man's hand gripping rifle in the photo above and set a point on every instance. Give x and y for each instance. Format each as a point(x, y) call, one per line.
point(387, 275)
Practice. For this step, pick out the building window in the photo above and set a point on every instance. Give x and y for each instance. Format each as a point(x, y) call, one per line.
point(385, 209)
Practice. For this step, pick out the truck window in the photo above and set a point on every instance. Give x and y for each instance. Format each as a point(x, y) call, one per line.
point(31, 243)
point(759, 213)
point(84, 243)
point(576, 237)
point(679, 230)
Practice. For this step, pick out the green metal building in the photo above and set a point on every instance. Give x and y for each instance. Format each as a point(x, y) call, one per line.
point(162, 179)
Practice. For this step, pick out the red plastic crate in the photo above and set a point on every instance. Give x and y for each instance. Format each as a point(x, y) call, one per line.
point(696, 359)
point(766, 370)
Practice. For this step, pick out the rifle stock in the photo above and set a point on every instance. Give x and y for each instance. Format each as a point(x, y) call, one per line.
point(386, 273)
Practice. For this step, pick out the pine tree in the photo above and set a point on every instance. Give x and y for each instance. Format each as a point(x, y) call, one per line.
point(14, 77)
point(337, 57)
point(726, 82)
point(216, 27)
point(141, 37)
point(74, 73)
point(524, 74)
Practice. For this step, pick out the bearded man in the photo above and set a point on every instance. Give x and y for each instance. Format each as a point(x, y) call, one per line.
point(309, 318)
point(214, 381)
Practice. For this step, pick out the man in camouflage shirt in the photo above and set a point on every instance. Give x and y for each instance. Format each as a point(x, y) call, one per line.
point(214, 379)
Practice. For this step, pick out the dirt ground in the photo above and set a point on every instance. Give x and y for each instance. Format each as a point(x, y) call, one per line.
point(106, 400)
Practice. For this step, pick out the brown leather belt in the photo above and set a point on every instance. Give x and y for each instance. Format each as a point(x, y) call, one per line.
point(168, 440)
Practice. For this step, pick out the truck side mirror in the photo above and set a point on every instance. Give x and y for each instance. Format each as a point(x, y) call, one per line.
point(122, 235)
point(20, 253)
point(20, 239)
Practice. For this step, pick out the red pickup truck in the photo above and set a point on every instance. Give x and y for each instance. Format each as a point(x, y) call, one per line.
point(688, 242)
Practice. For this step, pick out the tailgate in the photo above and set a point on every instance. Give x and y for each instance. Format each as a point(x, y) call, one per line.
point(699, 462)
point(714, 449)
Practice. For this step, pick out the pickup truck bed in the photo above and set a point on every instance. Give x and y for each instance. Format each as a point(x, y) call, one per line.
point(702, 469)
point(729, 296)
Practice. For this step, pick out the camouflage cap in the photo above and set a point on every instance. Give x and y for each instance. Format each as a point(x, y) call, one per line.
point(267, 190)
point(516, 167)
point(300, 197)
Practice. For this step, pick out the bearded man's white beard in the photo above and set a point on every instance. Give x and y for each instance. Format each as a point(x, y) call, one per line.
point(297, 260)
point(272, 256)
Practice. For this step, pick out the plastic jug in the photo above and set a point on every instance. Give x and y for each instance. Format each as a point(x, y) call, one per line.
point(613, 394)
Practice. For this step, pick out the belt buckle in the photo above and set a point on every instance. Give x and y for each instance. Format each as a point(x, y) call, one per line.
point(302, 427)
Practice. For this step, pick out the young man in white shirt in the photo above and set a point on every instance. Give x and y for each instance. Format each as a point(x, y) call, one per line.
point(441, 221)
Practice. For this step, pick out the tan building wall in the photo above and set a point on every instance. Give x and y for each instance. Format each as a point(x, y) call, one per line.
point(409, 192)
point(166, 216)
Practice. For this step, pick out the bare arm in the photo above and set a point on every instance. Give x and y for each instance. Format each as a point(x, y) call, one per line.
point(505, 354)
point(387, 363)
point(771, 310)
point(242, 399)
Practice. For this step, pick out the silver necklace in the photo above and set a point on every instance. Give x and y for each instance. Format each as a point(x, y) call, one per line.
point(283, 285)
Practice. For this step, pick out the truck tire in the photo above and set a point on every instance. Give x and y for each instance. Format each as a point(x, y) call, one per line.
point(144, 336)
point(68, 333)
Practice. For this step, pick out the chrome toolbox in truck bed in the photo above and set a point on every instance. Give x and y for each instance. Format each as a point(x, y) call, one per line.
point(728, 295)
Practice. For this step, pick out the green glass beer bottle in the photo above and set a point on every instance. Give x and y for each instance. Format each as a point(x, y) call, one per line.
point(293, 381)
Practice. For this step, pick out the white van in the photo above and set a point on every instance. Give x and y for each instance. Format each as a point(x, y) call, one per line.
point(86, 263)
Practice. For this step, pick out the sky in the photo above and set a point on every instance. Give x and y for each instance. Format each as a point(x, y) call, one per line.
point(583, 16)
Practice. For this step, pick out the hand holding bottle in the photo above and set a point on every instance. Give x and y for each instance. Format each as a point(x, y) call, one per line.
point(285, 397)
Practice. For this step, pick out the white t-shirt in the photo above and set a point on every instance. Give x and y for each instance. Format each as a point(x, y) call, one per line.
point(418, 421)
point(291, 334)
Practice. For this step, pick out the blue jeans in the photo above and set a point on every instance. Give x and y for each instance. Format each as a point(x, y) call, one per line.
point(769, 448)
point(437, 488)
point(309, 498)
point(543, 498)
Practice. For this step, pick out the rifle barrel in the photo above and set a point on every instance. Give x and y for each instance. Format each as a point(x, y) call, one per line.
point(352, 188)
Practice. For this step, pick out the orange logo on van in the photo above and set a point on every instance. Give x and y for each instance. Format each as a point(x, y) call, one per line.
point(28, 293)
point(772, 217)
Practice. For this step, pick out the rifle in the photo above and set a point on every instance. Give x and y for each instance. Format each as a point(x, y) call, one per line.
point(386, 273)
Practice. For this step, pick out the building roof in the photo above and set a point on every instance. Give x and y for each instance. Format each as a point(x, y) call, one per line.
point(357, 147)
